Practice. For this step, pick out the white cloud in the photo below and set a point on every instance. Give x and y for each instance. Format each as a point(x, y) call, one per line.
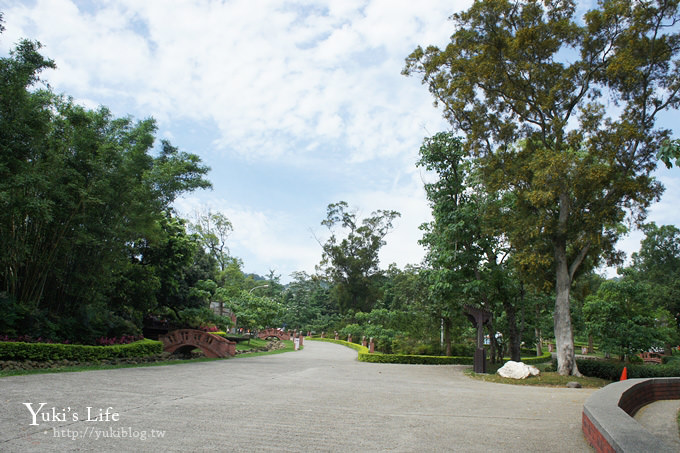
point(408, 198)
point(318, 71)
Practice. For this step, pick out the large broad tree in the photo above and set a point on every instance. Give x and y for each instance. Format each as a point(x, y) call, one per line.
point(351, 262)
point(528, 83)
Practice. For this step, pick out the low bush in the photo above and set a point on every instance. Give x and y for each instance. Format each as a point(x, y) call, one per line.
point(612, 370)
point(415, 359)
point(78, 353)
point(547, 357)
point(671, 359)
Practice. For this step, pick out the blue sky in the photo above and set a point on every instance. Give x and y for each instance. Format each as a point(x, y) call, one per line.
point(293, 104)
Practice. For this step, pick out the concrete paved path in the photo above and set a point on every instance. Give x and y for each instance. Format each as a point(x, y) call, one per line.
point(661, 419)
point(317, 399)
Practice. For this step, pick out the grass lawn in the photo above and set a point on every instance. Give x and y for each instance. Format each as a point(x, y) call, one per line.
point(290, 346)
point(255, 343)
point(545, 379)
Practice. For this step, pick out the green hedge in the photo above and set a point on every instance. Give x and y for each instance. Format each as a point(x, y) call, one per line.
point(41, 352)
point(547, 357)
point(436, 360)
point(612, 370)
point(415, 359)
point(365, 356)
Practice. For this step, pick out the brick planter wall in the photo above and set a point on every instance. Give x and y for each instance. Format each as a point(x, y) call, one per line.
point(608, 422)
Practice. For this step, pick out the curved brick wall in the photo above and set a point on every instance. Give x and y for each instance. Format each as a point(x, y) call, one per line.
point(608, 422)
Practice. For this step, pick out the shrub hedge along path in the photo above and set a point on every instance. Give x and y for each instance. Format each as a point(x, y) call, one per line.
point(318, 399)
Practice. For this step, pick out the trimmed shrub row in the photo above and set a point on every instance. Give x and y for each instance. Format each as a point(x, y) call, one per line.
point(546, 357)
point(612, 370)
point(41, 352)
point(436, 360)
point(365, 356)
point(415, 359)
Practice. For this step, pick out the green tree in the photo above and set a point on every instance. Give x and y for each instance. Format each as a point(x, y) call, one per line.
point(255, 312)
point(657, 263)
point(466, 249)
point(584, 286)
point(80, 190)
point(405, 293)
point(524, 81)
point(351, 263)
point(624, 321)
point(214, 228)
point(306, 304)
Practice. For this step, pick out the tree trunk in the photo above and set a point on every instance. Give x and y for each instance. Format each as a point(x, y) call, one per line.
point(515, 339)
point(564, 336)
point(537, 331)
point(591, 348)
point(447, 335)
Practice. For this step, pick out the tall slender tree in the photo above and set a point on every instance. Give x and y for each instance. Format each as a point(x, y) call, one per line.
point(351, 262)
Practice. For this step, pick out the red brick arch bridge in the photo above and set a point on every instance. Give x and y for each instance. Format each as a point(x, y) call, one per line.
point(273, 333)
point(184, 340)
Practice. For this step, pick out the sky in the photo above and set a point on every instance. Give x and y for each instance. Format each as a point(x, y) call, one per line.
point(292, 104)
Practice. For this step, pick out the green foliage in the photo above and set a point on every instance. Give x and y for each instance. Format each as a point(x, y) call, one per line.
point(255, 312)
point(622, 319)
point(351, 263)
point(88, 241)
point(466, 247)
point(612, 370)
point(669, 153)
point(415, 359)
point(306, 304)
point(198, 318)
point(657, 264)
point(214, 228)
point(79, 353)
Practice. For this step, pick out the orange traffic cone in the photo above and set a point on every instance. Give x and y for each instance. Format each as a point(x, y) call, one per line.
point(624, 375)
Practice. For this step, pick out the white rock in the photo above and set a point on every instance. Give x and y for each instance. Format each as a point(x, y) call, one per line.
point(517, 370)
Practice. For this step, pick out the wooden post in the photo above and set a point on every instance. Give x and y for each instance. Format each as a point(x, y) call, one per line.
point(371, 346)
point(479, 318)
point(349, 338)
point(363, 341)
point(336, 335)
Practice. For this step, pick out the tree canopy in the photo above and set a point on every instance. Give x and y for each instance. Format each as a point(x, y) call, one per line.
point(84, 196)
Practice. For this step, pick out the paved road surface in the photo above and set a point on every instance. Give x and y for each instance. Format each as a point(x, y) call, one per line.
point(317, 399)
point(661, 419)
